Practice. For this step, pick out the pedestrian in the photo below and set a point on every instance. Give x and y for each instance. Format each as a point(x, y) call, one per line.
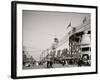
point(48, 61)
point(63, 62)
point(79, 62)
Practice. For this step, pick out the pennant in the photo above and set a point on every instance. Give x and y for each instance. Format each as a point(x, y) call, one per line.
point(84, 20)
point(69, 25)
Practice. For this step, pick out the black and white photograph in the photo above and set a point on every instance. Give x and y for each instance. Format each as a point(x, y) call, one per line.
point(56, 39)
point(53, 39)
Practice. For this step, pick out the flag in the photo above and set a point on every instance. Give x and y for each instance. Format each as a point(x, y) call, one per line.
point(69, 25)
point(84, 20)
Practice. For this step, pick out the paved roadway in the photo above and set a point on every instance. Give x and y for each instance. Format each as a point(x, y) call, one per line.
point(44, 66)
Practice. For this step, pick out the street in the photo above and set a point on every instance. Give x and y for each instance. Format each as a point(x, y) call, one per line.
point(45, 66)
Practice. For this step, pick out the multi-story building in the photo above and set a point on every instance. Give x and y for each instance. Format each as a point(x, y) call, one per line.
point(80, 41)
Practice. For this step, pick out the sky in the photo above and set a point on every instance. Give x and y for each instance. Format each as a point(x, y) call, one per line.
point(39, 28)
